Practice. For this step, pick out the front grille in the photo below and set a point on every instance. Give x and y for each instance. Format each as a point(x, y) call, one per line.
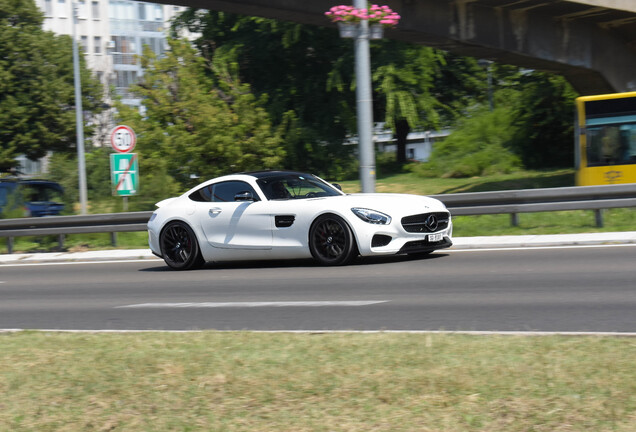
point(426, 222)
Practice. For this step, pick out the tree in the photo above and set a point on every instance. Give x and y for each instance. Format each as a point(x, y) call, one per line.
point(545, 122)
point(199, 124)
point(36, 86)
point(305, 73)
point(404, 79)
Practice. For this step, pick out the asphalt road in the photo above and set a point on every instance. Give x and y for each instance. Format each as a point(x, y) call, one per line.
point(567, 289)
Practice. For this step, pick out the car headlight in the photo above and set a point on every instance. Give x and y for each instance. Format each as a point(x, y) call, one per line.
point(152, 217)
point(372, 216)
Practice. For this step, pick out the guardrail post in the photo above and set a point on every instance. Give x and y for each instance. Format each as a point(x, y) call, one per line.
point(10, 245)
point(113, 239)
point(60, 241)
point(514, 219)
point(598, 214)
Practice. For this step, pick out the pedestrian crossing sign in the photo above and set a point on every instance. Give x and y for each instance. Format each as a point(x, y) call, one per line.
point(124, 169)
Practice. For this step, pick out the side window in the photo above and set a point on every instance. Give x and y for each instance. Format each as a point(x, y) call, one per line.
point(222, 192)
point(202, 195)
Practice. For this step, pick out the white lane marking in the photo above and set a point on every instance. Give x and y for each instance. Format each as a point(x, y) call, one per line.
point(525, 248)
point(27, 264)
point(252, 304)
point(441, 332)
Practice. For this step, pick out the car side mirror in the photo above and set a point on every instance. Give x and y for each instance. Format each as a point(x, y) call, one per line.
point(337, 186)
point(244, 196)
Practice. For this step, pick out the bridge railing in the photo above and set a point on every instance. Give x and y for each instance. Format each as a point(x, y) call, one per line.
point(511, 202)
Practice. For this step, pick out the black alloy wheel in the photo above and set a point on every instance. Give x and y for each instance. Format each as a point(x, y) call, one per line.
point(331, 241)
point(179, 247)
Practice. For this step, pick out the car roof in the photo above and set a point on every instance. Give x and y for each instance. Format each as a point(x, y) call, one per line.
point(13, 181)
point(273, 173)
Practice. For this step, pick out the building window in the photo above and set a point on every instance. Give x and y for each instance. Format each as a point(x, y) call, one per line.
point(158, 12)
point(142, 11)
point(124, 79)
point(48, 8)
point(61, 6)
point(97, 44)
point(95, 10)
point(81, 9)
point(84, 43)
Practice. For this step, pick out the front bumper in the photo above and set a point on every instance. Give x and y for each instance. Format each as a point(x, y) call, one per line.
point(422, 246)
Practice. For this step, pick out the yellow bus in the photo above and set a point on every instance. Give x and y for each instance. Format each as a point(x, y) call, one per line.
point(605, 139)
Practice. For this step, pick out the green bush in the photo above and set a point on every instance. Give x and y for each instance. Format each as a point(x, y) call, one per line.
point(386, 164)
point(478, 146)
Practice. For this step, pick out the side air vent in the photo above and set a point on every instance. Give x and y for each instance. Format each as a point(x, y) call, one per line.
point(380, 240)
point(284, 221)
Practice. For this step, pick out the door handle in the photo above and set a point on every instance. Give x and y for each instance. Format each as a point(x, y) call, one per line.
point(214, 211)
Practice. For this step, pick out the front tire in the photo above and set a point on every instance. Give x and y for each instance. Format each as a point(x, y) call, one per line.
point(179, 247)
point(331, 241)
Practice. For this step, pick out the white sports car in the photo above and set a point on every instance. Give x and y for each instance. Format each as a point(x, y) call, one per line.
point(284, 215)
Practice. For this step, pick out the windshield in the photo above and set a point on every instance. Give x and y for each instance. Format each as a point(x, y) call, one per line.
point(611, 145)
point(295, 186)
point(41, 192)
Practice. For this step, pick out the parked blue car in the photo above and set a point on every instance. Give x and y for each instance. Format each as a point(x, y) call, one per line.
point(36, 197)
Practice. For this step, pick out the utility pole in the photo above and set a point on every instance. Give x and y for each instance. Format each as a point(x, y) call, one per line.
point(79, 117)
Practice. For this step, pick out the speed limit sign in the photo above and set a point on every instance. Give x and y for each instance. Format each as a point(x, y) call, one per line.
point(123, 139)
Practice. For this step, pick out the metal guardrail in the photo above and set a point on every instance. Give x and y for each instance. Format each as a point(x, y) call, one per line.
point(510, 202)
point(539, 200)
point(61, 225)
point(514, 202)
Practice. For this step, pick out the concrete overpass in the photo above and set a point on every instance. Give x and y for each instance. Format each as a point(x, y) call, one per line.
point(590, 42)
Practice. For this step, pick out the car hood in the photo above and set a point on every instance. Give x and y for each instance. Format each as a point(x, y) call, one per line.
point(391, 203)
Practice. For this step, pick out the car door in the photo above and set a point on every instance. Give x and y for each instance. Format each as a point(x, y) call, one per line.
point(232, 224)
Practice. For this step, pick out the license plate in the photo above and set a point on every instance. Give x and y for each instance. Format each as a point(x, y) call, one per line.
point(435, 237)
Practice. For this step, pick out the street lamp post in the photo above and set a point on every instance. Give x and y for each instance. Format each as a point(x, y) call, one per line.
point(364, 104)
point(364, 101)
point(79, 117)
point(353, 22)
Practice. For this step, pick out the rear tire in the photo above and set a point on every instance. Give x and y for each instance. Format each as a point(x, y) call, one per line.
point(331, 241)
point(179, 247)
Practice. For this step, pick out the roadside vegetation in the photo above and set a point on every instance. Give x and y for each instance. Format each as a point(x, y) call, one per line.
point(565, 222)
point(241, 381)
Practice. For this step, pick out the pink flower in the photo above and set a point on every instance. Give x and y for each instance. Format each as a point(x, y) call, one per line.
point(374, 14)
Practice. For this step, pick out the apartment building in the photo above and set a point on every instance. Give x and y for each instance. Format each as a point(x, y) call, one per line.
point(111, 34)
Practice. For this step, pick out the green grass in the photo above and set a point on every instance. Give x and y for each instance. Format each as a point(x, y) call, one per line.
point(410, 183)
point(214, 381)
point(79, 242)
point(464, 226)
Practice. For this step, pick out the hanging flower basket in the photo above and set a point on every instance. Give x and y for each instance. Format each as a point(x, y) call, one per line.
point(382, 16)
point(347, 29)
point(376, 31)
